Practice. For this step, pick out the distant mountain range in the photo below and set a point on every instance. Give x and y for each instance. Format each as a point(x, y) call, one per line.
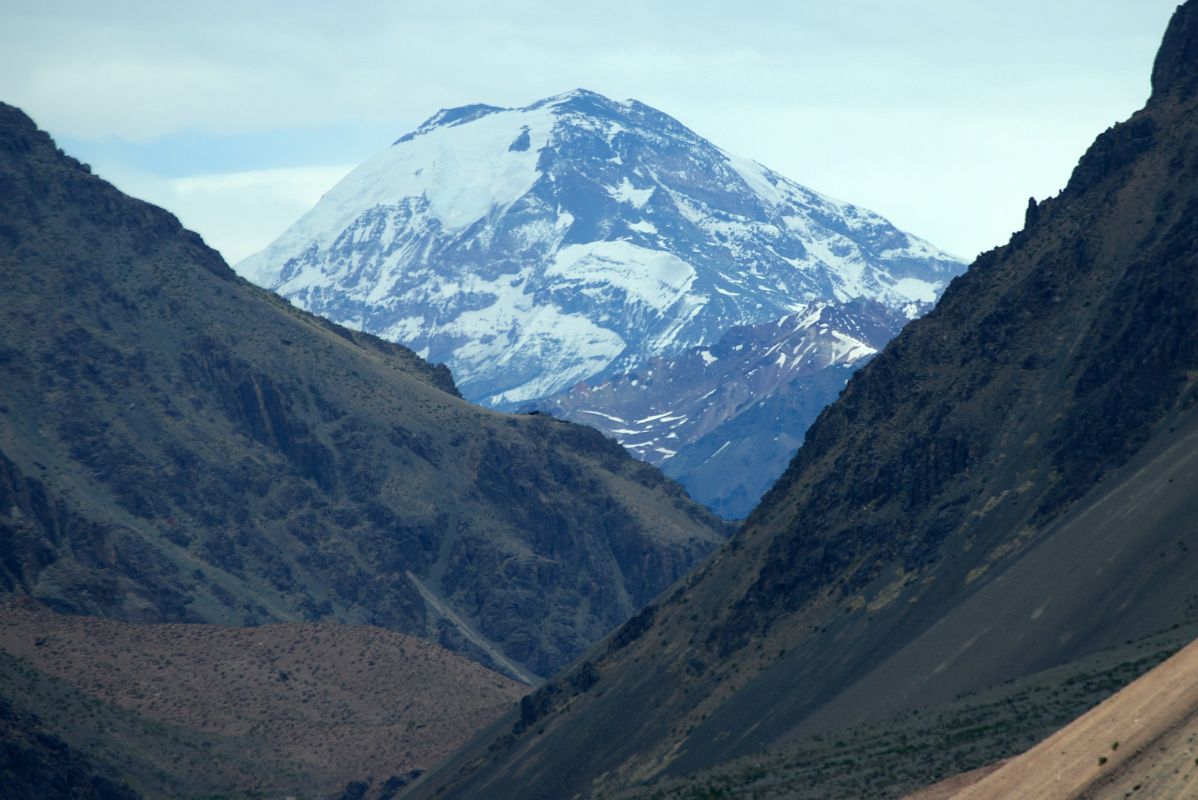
point(580, 240)
point(994, 526)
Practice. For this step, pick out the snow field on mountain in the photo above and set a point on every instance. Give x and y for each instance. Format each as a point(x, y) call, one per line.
point(651, 277)
point(464, 171)
point(575, 240)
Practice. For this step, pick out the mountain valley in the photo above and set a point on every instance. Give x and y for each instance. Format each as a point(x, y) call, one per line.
point(258, 545)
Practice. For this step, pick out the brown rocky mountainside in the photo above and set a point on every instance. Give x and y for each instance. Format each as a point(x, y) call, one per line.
point(177, 445)
point(1009, 491)
point(1142, 742)
point(300, 709)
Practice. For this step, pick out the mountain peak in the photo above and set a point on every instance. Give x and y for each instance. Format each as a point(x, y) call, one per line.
point(533, 248)
point(18, 133)
point(13, 117)
point(579, 100)
point(573, 94)
point(1176, 65)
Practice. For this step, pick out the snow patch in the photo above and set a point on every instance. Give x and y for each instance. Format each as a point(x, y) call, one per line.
point(601, 414)
point(915, 289)
point(755, 176)
point(463, 172)
point(652, 277)
point(627, 193)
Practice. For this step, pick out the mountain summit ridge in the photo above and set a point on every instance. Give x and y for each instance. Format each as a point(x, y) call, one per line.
point(575, 238)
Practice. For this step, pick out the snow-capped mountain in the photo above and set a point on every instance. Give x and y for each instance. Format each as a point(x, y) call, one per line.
point(725, 419)
point(576, 239)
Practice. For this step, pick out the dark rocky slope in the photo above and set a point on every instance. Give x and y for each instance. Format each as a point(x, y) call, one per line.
point(35, 765)
point(1009, 487)
point(899, 752)
point(178, 445)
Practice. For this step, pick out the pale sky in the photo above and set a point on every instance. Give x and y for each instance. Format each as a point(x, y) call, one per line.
point(942, 115)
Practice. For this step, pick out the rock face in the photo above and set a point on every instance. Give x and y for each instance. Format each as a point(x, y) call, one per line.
point(577, 239)
point(178, 445)
point(725, 420)
point(1009, 487)
point(36, 765)
point(1175, 70)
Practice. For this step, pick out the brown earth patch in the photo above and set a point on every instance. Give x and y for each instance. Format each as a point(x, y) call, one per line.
point(945, 789)
point(323, 703)
point(1142, 742)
